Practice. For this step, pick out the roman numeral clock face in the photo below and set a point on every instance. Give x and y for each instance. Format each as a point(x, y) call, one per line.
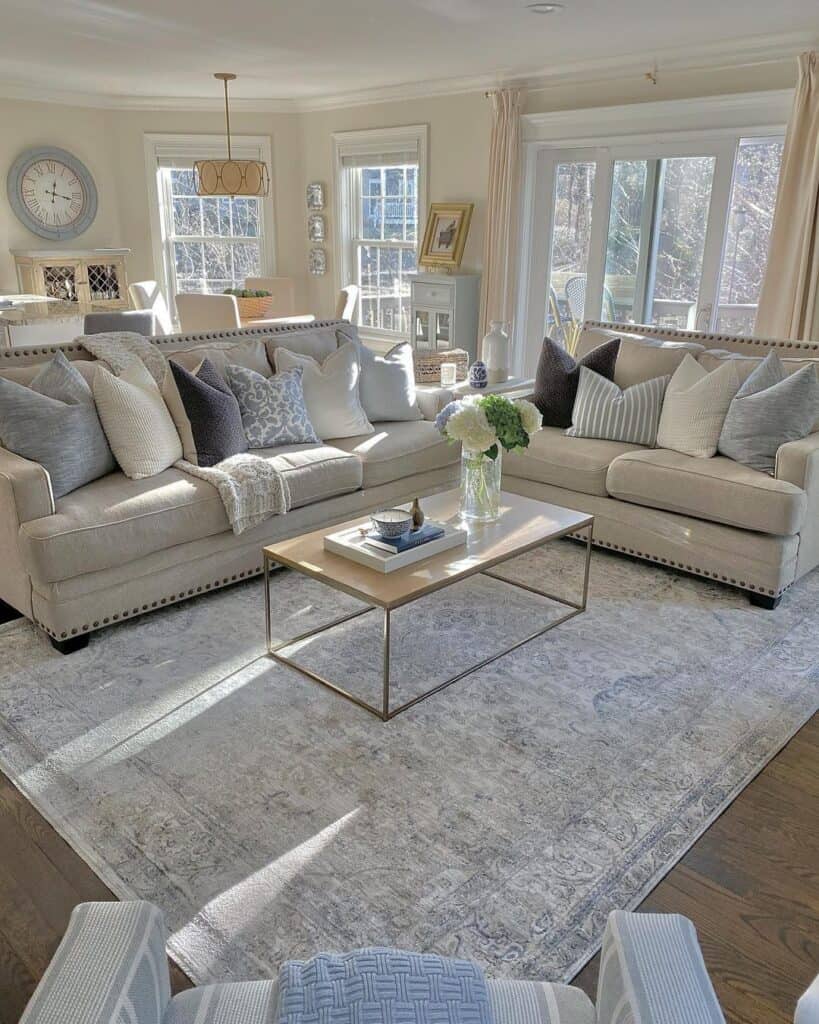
point(52, 193)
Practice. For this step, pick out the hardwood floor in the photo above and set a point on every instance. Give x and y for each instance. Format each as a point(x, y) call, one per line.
point(750, 884)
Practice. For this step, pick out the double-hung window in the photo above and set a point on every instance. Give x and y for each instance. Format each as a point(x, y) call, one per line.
point(380, 187)
point(651, 227)
point(204, 244)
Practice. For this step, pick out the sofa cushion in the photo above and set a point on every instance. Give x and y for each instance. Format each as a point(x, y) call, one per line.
point(695, 406)
point(538, 1002)
point(396, 450)
point(718, 489)
point(273, 410)
point(206, 414)
point(641, 357)
point(387, 383)
point(602, 409)
point(237, 1002)
point(115, 520)
point(576, 463)
point(331, 390)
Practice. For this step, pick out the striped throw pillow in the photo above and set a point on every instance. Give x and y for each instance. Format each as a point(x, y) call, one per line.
point(603, 410)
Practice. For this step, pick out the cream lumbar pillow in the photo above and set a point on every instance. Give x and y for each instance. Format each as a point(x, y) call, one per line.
point(695, 406)
point(330, 390)
point(136, 421)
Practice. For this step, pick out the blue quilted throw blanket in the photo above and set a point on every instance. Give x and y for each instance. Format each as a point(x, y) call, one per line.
point(382, 986)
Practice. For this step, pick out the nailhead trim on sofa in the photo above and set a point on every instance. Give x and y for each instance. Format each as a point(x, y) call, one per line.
point(674, 334)
point(693, 569)
point(129, 613)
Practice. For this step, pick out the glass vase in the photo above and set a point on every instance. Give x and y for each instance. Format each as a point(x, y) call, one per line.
point(480, 485)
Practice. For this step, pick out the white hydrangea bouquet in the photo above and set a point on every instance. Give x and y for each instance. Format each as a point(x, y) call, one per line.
point(486, 426)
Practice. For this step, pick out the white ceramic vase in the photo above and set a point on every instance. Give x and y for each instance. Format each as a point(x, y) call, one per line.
point(495, 352)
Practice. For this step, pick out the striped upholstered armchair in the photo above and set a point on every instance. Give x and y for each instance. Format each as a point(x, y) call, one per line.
point(111, 968)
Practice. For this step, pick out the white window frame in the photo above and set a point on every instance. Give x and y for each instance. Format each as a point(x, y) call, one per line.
point(379, 142)
point(713, 126)
point(161, 148)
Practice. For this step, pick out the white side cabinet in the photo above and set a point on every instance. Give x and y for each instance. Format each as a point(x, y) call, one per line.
point(444, 312)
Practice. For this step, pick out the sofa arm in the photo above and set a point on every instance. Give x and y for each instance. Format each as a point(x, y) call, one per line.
point(431, 400)
point(651, 967)
point(29, 485)
point(798, 462)
point(110, 966)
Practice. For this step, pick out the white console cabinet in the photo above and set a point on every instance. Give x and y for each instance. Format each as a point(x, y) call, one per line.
point(444, 312)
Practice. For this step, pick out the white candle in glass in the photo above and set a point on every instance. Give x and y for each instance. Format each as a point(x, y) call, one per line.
point(449, 373)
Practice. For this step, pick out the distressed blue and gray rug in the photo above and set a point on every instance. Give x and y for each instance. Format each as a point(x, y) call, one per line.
point(501, 819)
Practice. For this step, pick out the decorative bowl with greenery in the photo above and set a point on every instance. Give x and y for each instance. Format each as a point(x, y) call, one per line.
point(254, 304)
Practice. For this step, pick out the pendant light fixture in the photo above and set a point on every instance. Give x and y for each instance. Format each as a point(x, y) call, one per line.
point(230, 177)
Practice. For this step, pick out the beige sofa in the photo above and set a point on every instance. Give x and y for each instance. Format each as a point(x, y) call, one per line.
point(116, 547)
point(712, 517)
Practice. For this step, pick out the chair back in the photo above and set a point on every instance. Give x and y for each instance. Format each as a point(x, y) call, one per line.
point(576, 299)
point(148, 295)
point(200, 312)
point(283, 290)
point(347, 302)
point(140, 321)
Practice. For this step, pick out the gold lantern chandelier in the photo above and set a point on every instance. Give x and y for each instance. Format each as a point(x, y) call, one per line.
point(230, 177)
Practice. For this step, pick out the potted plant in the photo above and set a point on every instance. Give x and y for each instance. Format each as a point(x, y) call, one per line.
point(253, 304)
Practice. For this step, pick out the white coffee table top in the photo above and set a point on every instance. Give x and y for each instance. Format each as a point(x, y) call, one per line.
point(524, 524)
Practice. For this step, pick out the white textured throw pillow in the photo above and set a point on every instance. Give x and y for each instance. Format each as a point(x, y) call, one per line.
point(387, 386)
point(695, 406)
point(330, 391)
point(603, 410)
point(136, 421)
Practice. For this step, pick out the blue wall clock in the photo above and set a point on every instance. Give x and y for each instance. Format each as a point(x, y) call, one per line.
point(52, 193)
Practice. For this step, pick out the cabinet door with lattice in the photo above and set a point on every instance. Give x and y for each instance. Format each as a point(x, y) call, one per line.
point(106, 283)
point(61, 280)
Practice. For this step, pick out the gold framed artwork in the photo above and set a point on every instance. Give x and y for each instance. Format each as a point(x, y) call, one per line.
point(445, 235)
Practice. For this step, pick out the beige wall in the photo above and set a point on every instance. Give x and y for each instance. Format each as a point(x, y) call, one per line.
point(80, 130)
point(110, 142)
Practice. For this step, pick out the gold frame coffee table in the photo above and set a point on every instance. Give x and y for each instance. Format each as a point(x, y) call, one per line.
point(524, 524)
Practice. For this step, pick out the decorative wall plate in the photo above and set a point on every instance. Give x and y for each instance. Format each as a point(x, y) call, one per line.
point(315, 196)
point(316, 230)
point(52, 193)
point(318, 262)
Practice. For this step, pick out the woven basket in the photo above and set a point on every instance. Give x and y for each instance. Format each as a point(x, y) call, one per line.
point(428, 365)
point(255, 309)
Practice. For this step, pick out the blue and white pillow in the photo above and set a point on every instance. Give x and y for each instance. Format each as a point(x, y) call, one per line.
point(273, 408)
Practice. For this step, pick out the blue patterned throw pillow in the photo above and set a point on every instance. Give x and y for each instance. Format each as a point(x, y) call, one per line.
point(273, 408)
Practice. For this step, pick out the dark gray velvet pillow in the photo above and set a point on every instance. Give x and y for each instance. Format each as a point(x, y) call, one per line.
point(558, 375)
point(207, 415)
point(54, 422)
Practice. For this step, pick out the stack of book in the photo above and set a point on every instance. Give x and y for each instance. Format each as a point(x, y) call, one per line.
point(386, 555)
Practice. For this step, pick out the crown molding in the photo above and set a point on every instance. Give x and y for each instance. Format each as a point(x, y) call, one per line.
point(749, 52)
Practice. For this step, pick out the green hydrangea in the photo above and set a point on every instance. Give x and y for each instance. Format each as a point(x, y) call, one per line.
point(504, 416)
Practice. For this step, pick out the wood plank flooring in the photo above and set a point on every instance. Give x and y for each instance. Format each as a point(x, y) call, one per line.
point(750, 884)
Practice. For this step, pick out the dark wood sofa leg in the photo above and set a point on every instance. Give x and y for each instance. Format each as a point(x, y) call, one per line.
point(71, 644)
point(7, 613)
point(763, 600)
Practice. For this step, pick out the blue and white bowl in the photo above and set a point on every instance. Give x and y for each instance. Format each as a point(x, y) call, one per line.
point(392, 523)
point(478, 375)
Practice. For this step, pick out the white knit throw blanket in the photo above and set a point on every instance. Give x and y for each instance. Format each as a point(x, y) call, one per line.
point(251, 488)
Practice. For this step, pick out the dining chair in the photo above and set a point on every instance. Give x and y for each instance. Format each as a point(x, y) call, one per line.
point(347, 302)
point(148, 295)
point(139, 321)
point(283, 290)
point(576, 300)
point(200, 312)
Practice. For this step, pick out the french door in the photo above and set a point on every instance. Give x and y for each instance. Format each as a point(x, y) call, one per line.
point(635, 233)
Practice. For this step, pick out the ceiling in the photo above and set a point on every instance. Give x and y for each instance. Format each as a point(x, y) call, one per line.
point(322, 48)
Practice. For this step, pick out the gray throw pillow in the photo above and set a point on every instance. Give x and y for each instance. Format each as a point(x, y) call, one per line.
point(558, 376)
point(771, 408)
point(273, 408)
point(206, 415)
point(603, 410)
point(386, 386)
point(54, 421)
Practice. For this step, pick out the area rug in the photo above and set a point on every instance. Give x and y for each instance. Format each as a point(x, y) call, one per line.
point(501, 819)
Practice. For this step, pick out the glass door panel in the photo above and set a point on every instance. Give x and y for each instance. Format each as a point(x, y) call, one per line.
point(629, 239)
point(442, 340)
point(753, 197)
point(681, 219)
point(571, 235)
point(420, 331)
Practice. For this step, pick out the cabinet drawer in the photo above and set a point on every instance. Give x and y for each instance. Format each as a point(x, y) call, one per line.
point(431, 294)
